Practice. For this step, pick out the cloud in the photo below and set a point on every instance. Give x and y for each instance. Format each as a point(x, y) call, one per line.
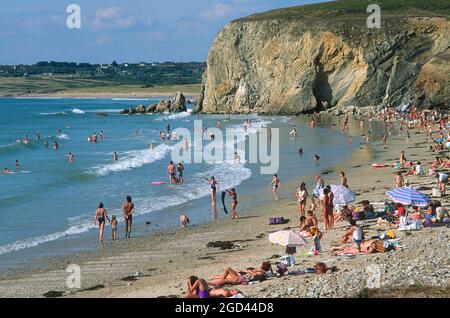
point(219, 11)
point(111, 18)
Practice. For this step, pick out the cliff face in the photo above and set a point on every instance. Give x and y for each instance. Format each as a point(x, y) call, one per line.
point(303, 64)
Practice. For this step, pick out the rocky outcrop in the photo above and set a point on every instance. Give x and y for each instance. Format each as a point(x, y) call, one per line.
point(176, 105)
point(305, 64)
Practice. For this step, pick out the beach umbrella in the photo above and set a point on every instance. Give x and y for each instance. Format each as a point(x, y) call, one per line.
point(287, 238)
point(408, 196)
point(342, 195)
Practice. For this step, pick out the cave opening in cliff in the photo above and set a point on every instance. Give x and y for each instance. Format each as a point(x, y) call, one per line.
point(322, 90)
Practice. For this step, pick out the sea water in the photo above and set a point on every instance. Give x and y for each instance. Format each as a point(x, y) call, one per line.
point(47, 206)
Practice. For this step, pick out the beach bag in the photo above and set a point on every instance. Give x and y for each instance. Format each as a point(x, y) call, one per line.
point(277, 221)
point(436, 193)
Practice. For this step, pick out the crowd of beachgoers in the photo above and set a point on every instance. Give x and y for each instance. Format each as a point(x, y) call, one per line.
point(405, 209)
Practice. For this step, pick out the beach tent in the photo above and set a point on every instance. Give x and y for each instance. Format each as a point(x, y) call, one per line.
point(408, 196)
point(287, 238)
point(342, 195)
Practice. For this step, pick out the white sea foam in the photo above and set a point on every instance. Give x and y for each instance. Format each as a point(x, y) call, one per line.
point(78, 111)
point(63, 137)
point(228, 174)
point(134, 159)
point(174, 116)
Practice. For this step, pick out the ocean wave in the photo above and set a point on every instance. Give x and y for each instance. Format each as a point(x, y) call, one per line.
point(228, 175)
point(78, 111)
point(173, 116)
point(104, 111)
point(63, 137)
point(53, 114)
point(134, 159)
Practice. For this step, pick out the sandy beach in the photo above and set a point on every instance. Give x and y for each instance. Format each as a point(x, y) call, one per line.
point(158, 265)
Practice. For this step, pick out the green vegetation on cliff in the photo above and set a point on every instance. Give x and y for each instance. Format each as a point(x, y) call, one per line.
point(357, 8)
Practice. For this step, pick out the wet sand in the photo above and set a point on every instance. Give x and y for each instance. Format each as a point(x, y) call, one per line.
point(158, 265)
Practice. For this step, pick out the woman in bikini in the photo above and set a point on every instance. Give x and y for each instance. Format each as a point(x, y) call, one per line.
point(128, 210)
point(101, 216)
point(276, 183)
point(327, 209)
point(197, 288)
point(302, 195)
point(234, 204)
point(214, 189)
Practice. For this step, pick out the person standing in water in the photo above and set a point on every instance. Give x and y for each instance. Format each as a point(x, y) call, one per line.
point(128, 210)
point(276, 183)
point(294, 132)
point(234, 203)
point(180, 169)
point(171, 171)
point(237, 158)
point(55, 146)
point(114, 224)
point(214, 189)
point(17, 165)
point(101, 216)
point(71, 157)
point(115, 157)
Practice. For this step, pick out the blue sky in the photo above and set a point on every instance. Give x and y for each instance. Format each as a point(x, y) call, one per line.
point(125, 31)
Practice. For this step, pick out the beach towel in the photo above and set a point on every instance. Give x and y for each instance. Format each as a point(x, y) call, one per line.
point(223, 202)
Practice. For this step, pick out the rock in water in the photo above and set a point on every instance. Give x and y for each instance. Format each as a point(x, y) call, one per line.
point(163, 106)
point(311, 58)
point(178, 103)
point(141, 109)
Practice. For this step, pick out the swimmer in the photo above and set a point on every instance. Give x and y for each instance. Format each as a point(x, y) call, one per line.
point(294, 132)
point(55, 146)
point(17, 165)
point(300, 152)
point(237, 158)
point(115, 157)
point(316, 157)
point(6, 171)
point(71, 157)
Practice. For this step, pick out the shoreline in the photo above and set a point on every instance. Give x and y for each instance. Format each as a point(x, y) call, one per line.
point(132, 95)
point(155, 266)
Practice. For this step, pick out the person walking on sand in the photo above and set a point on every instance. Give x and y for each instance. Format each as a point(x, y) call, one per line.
point(327, 210)
point(344, 180)
point(100, 217)
point(276, 184)
point(402, 159)
point(302, 196)
point(214, 189)
point(234, 204)
point(128, 210)
point(399, 181)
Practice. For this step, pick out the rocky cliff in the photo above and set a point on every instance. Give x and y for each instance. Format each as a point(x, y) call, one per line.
point(311, 58)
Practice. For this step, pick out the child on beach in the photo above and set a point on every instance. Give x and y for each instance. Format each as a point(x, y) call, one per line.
point(114, 223)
